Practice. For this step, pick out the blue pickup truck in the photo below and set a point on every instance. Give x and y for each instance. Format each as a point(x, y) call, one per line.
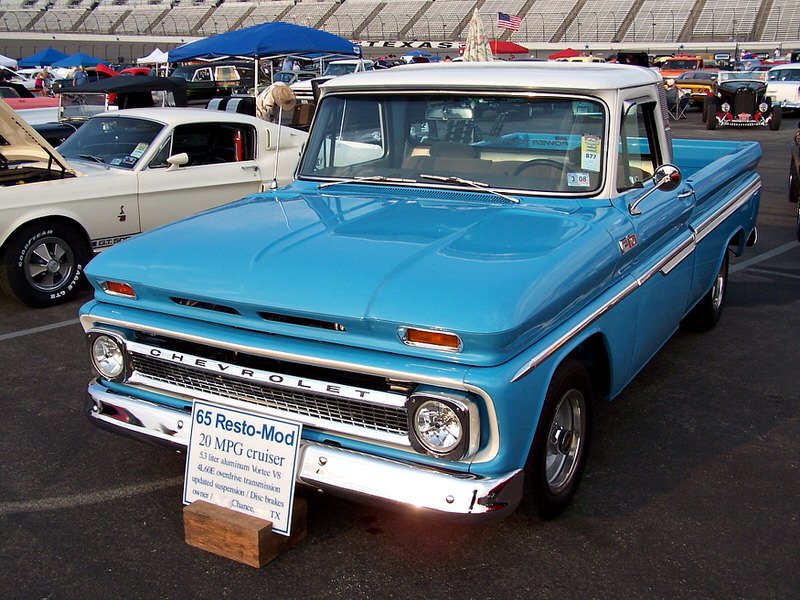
point(469, 257)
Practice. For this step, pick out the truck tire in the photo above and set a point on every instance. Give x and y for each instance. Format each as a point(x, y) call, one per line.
point(711, 114)
point(794, 191)
point(42, 264)
point(775, 123)
point(798, 221)
point(558, 454)
point(707, 312)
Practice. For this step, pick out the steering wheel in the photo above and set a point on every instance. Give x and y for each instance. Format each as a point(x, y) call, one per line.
point(540, 163)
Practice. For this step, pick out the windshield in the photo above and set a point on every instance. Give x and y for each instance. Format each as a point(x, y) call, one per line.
point(81, 105)
point(117, 142)
point(183, 73)
point(682, 64)
point(284, 77)
point(336, 69)
point(740, 75)
point(784, 75)
point(541, 144)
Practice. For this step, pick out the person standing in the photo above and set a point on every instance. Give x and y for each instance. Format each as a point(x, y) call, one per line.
point(79, 77)
point(40, 83)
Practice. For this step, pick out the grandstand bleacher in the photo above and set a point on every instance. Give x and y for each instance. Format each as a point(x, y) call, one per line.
point(542, 21)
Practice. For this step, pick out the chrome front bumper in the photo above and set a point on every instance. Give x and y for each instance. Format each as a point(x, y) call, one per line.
point(347, 473)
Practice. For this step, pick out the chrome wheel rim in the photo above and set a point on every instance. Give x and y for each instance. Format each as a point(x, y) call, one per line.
point(565, 440)
point(718, 291)
point(49, 264)
point(798, 217)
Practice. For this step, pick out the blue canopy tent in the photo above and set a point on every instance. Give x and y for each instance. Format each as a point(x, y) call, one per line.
point(43, 58)
point(267, 39)
point(272, 39)
point(418, 53)
point(79, 59)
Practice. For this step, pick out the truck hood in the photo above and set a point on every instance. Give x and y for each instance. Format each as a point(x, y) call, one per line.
point(19, 142)
point(497, 274)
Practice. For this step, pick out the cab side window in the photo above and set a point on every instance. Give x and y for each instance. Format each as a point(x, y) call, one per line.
point(209, 144)
point(638, 154)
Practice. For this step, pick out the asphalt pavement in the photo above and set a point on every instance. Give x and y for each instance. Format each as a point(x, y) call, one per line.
point(691, 490)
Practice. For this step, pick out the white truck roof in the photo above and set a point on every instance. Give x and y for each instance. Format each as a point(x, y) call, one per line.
point(506, 76)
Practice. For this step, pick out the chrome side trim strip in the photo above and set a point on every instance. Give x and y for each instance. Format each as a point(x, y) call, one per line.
point(734, 204)
point(674, 257)
point(575, 330)
point(665, 265)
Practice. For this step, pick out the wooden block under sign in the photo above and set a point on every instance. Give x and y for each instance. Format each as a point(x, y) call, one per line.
point(240, 537)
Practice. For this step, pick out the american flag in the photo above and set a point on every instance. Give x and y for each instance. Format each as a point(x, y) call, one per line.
point(507, 21)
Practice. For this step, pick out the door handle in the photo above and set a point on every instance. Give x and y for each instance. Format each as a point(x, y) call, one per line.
point(250, 168)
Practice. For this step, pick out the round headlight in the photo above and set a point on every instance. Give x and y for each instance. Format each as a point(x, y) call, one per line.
point(108, 356)
point(438, 427)
point(725, 107)
point(763, 107)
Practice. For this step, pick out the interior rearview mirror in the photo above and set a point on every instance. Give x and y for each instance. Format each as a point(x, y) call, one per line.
point(448, 111)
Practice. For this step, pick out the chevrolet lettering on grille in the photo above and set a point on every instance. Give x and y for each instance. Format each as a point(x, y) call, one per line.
point(267, 377)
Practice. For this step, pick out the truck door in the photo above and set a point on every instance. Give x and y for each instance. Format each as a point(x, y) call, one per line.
point(660, 252)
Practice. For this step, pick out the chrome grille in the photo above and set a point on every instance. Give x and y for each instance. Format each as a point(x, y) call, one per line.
point(306, 404)
point(744, 102)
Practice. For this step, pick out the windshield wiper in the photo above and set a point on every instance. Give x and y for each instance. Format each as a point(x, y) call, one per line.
point(476, 184)
point(92, 157)
point(378, 178)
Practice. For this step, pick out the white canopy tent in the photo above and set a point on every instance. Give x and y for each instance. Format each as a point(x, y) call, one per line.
point(156, 57)
point(8, 62)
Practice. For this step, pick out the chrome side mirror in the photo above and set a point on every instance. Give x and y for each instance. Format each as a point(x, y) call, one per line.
point(666, 178)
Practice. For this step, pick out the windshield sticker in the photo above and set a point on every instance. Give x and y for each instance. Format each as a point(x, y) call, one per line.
point(590, 153)
point(116, 161)
point(586, 108)
point(130, 160)
point(578, 180)
point(140, 149)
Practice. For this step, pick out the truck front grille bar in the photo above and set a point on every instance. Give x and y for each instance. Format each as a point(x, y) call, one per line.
point(316, 409)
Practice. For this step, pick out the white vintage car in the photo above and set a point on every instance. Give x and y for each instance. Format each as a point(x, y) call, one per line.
point(783, 83)
point(120, 174)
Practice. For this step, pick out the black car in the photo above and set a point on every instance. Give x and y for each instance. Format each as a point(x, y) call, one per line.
point(794, 176)
point(741, 102)
point(216, 79)
point(126, 92)
point(93, 74)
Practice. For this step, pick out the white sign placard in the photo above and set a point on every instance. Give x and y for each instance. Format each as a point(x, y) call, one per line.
point(242, 461)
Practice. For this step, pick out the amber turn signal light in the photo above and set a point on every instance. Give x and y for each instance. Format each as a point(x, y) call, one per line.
point(438, 340)
point(117, 288)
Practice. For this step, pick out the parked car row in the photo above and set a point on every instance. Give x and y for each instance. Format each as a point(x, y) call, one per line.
point(119, 174)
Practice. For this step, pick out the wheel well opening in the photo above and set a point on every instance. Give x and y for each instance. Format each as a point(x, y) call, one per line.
point(593, 354)
point(55, 221)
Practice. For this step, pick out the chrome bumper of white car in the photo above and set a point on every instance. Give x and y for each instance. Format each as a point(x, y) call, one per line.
point(331, 469)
